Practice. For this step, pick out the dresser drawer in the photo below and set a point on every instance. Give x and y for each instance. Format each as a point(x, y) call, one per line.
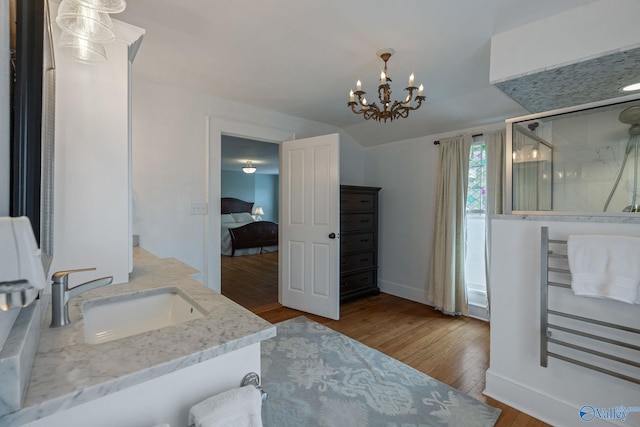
point(352, 242)
point(357, 202)
point(351, 282)
point(357, 261)
point(352, 222)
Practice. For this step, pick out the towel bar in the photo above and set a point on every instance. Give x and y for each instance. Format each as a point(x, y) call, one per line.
point(254, 379)
point(562, 279)
point(250, 379)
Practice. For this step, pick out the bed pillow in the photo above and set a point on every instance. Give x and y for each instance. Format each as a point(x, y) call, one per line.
point(243, 217)
point(227, 218)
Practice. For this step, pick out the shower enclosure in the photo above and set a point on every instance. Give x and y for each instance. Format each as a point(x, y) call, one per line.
point(577, 160)
point(532, 159)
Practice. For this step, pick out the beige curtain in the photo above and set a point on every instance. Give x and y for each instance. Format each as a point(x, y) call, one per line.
point(495, 143)
point(446, 288)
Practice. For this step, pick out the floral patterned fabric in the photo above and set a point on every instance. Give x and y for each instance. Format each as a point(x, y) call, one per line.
point(315, 376)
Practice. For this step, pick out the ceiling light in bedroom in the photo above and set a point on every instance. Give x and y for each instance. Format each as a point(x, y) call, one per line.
point(388, 110)
point(249, 168)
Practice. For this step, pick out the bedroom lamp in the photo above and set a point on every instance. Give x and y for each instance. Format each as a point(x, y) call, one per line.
point(388, 110)
point(257, 212)
point(249, 168)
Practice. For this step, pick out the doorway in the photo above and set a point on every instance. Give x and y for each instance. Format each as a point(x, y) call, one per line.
point(216, 128)
point(322, 174)
point(249, 274)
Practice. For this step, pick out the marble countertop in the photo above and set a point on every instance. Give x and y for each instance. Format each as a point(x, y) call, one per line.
point(67, 371)
point(614, 218)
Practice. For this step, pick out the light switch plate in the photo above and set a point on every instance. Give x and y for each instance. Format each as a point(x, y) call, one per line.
point(198, 208)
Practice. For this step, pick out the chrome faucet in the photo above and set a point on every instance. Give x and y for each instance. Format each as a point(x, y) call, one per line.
point(61, 294)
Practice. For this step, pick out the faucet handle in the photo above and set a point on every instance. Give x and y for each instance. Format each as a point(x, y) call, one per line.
point(60, 277)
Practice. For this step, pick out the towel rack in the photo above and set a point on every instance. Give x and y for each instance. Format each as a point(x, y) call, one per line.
point(254, 379)
point(554, 272)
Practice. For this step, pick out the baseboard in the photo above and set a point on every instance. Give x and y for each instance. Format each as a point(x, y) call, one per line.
point(536, 403)
point(478, 311)
point(402, 291)
point(412, 294)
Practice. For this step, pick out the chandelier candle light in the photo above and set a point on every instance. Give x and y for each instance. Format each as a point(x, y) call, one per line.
point(388, 110)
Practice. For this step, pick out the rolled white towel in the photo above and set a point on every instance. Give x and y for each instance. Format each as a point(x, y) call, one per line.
point(239, 407)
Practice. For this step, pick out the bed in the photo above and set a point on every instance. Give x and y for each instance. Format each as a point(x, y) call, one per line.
point(240, 233)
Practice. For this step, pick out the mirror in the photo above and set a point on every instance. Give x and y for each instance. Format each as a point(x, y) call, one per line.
point(33, 118)
point(575, 160)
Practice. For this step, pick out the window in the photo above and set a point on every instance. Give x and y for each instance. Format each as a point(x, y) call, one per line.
point(477, 184)
point(475, 277)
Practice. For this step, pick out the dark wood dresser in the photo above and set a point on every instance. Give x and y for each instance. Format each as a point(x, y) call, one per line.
point(358, 241)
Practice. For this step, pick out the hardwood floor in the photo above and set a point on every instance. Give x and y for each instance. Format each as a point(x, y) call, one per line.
point(252, 280)
point(454, 350)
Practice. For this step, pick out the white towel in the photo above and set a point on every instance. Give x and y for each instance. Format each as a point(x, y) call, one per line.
point(239, 407)
point(605, 267)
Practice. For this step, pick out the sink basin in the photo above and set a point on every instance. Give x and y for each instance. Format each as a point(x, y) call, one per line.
point(112, 318)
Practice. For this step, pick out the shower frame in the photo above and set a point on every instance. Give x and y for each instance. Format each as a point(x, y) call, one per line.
point(532, 135)
point(508, 210)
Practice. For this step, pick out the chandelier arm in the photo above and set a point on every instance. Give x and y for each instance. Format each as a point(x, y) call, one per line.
point(371, 114)
point(395, 109)
point(353, 108)
point(374, 107)
point(360, 94)
point(384, 94)
point(404, 112)
point(375, 112)
point(419, 100)
point(399, 110)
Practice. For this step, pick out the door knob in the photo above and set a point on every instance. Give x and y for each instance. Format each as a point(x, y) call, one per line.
point(332, 235)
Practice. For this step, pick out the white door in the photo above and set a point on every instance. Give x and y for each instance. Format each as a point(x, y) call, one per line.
point(310, 225)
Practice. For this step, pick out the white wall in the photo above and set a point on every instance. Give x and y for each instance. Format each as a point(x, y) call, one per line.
point(553, 394)
point(170, 162)
point(407, 172)
point(581, 33)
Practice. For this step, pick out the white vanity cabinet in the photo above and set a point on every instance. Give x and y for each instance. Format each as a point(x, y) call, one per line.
point(166, 399)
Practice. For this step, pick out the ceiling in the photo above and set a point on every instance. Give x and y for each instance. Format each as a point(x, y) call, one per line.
point(302, 57)
point(235, 152)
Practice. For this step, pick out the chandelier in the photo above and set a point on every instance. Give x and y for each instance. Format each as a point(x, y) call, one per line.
point(387, 110)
